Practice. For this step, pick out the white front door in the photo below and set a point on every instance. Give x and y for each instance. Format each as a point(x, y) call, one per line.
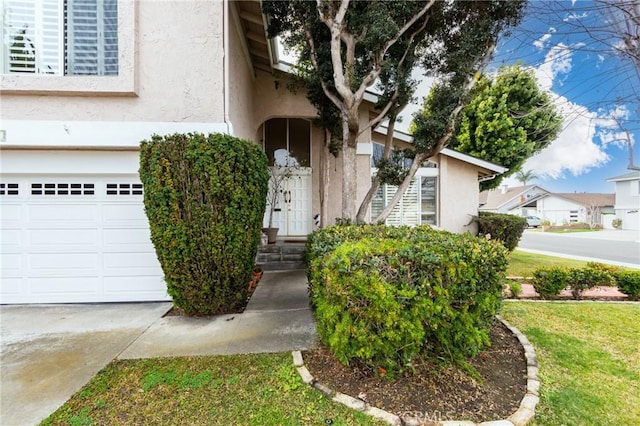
point(293, 211)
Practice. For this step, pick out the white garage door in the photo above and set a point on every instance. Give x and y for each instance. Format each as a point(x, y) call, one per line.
point(76, 238)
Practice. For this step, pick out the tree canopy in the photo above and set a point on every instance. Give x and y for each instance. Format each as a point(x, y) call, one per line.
point(347, 47)
point(508, 120)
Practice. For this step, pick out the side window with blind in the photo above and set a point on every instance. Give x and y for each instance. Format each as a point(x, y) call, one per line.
point(60, 37)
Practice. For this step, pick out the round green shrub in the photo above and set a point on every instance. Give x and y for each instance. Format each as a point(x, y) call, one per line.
point(385, 296)
point(549, 282)
point(629, 283)
point(205, 198)
point(581, 279)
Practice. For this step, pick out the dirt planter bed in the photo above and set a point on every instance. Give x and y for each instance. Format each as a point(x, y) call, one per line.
point(521, 416)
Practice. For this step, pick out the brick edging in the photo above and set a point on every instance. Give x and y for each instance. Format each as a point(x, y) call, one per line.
point(523, 415)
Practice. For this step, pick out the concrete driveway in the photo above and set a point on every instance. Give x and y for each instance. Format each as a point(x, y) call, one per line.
point(48, 352)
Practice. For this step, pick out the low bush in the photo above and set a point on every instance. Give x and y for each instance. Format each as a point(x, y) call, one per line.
point(383, 296)
point(549, 282)
point(603, 267)
point(581, 279)
point(629, 283)
point(506, 228)
point(205, 198)
point(515, 288)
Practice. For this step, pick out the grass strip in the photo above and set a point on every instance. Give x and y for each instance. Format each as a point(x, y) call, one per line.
point(589, 355)
point(259, 389)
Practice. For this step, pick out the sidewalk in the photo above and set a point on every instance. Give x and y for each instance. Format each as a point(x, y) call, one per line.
point(278, 318)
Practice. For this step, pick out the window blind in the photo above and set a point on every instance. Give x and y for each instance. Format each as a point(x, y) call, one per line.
point(91, 37)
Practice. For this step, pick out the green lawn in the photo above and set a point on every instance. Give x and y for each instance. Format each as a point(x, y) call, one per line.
point(263, 389)
point(522, 264)
point(589, 355)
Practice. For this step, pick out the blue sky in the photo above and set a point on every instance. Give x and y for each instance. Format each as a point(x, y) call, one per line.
point(592, 88)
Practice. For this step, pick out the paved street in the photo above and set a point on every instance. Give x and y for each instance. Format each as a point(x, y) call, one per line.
point(616, 246)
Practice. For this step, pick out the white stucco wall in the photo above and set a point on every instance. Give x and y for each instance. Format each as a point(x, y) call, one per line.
point(627, 206)
point(177, 67)
point(558, 210)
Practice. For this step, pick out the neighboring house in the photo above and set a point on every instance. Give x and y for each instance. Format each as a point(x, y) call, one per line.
point(521, 200)
point(557, 208)
point(563, 208)
point(627, 204)
point(76, 102)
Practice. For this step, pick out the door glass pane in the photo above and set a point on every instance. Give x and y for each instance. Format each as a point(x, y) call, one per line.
point(275, 138)
point(300, 141)
point(428, 197)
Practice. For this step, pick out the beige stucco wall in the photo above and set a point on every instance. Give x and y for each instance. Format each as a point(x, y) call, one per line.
point(178, 68)
point(458, 195)
point(241, 86)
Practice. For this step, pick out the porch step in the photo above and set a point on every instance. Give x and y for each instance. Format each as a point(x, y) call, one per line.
point(281, 256)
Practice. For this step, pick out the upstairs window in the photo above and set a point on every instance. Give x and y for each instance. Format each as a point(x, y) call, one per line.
point(60, 37)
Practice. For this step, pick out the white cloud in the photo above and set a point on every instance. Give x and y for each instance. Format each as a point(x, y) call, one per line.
point(574, 16)
point(556, 62)
point(541, 42)
point(574, 151)
point(609, 127)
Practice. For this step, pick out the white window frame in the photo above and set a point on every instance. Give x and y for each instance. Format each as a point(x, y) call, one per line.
point(124, 84)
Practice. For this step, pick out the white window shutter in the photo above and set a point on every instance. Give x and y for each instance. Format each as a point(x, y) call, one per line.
point(410, 206)
point(395, 217)
point(49, 15)
point(92, 37)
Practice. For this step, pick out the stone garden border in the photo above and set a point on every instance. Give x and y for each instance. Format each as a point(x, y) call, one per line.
point(523, 415)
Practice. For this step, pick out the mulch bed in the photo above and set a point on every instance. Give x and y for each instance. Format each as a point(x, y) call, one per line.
point(436, 392)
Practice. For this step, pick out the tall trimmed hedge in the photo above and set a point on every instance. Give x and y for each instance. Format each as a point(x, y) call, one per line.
point(385, 296)
point(205, 198)
point(507, 228)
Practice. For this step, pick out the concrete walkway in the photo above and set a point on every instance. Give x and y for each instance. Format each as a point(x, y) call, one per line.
point(48, 352)
point(278, 318)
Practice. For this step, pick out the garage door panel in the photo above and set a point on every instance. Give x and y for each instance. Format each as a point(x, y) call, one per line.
point(143, 284)
point(40, 263)
point(11, 239)
point(71, 286)
point(126, 237)
point(130, 263)
point(63, 213)
point(10, 288)
point(10, 213)
point(64, 237)
point(11, 265)
point(125, 213)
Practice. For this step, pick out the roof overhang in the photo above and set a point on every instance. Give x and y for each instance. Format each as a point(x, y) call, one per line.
point(487, 167)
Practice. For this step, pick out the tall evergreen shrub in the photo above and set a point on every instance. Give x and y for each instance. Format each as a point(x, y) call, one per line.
point(205, 199)
point(506, 228)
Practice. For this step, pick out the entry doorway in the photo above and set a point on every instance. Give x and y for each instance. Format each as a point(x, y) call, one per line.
point(287, 143)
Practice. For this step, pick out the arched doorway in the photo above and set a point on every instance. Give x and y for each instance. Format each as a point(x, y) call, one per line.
point(287, 143)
